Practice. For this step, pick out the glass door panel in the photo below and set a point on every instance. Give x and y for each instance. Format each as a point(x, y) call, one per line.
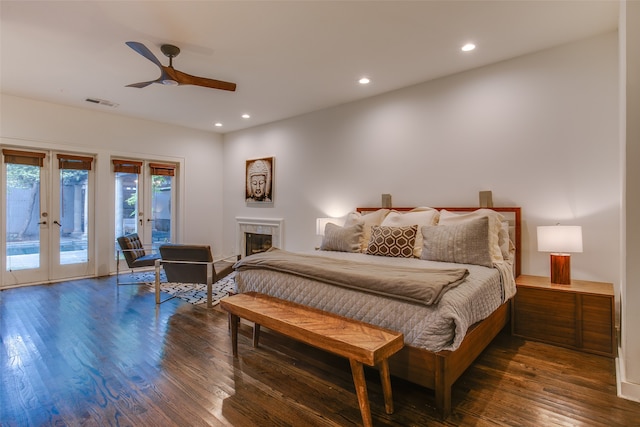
point(73, 223)
point(23, 214)
point(126, 203)
point(161, 215)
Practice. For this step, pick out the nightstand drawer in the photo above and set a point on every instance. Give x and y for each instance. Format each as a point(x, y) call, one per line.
point(545, 316)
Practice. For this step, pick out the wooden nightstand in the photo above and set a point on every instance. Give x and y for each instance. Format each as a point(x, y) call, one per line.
point(579, 316)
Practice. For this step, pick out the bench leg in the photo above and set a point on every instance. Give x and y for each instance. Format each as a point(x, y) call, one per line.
point(361, 390)
point(256, 334)
point(234, 320)
point(385, 379)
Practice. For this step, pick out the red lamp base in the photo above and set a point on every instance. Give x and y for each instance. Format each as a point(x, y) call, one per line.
point(561, 269)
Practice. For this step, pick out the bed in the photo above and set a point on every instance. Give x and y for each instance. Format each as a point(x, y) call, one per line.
point(446, 326)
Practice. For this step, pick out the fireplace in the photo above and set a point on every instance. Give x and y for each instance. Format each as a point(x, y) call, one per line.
point(256, 243)
point(267, 232)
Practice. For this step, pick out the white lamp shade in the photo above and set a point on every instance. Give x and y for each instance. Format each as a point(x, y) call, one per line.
point(321, 223)
point(560, 238)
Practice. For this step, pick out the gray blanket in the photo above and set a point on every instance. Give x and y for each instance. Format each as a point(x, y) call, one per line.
point(424, 286)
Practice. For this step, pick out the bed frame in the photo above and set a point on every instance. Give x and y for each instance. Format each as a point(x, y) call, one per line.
point(438, 371)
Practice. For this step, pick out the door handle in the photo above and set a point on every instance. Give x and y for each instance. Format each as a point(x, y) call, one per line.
point(43, 223)
point(57, 223)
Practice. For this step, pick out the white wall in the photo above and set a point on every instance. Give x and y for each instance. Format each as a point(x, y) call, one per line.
point(28, 123)
point(630, 354)
point(540, 131)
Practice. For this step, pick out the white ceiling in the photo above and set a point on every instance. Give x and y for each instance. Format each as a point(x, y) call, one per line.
point(287, 57)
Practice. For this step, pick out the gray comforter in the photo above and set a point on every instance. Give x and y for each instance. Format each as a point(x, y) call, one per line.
point(420, 285)
point(435, 327)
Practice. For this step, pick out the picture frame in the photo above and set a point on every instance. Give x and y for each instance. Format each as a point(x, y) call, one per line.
point(259, 180)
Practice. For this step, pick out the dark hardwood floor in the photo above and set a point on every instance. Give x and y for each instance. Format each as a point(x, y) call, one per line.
point(87, 353)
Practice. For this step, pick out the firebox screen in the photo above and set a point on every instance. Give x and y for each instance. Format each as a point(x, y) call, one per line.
point(256, 243)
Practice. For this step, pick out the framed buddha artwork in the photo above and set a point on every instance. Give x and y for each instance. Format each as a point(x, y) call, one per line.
point(259, 184)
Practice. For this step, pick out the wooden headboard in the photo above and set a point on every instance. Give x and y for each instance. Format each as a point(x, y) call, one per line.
point(513, 215)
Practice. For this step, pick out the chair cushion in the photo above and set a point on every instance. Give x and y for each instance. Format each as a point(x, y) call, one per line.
point(145, 261)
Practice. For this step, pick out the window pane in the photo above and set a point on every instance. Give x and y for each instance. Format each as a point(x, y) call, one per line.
point(126, 203)
point(161, 209)
point(23, 213)
point(73, 216)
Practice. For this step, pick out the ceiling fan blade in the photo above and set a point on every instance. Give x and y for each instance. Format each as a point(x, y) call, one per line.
point(188, 79)
point(144, 51)
point(143, 84)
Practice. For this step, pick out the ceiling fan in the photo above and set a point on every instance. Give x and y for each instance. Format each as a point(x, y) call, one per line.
point(172, 77)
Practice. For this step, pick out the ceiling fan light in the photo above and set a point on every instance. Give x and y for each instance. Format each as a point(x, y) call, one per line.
point(170, 82)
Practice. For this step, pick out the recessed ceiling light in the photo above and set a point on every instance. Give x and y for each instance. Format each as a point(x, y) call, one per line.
point(246, 116)
point(364, 81)
point(218, 124)
point(468, 47)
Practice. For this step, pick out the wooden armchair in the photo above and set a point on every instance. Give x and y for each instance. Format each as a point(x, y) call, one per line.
point(191, 264)
point(135, 256)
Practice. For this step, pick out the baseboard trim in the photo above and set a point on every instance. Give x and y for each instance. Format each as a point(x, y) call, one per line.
point(626, 390)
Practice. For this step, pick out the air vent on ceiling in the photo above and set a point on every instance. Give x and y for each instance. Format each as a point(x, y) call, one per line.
point(102, 102)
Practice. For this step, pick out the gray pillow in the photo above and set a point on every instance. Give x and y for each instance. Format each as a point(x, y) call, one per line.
point(342, 239)
point(463, 243)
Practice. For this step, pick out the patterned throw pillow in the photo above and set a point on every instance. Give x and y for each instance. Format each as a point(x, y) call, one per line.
point(464, 243)
point(392, 241)
point(342, 239)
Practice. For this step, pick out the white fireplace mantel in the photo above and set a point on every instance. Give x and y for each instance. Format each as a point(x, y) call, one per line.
point(271, 226)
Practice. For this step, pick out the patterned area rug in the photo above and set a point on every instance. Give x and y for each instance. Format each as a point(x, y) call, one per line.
point(197, 294)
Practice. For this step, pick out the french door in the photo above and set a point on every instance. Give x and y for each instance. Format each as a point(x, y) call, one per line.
point(144, 201)
point(47, 217)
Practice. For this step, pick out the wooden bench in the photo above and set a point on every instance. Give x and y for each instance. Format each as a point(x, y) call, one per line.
point(360, 342)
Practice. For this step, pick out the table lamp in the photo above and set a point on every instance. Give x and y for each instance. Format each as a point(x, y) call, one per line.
point(321, 223)
point(560, 240)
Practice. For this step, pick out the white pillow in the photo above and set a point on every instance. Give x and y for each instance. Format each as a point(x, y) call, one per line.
point(495, 225)
point(373, 218)
point(504, 240)
point(419, 216)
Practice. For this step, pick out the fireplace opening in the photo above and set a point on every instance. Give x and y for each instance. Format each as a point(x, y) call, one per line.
point(256, 243)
